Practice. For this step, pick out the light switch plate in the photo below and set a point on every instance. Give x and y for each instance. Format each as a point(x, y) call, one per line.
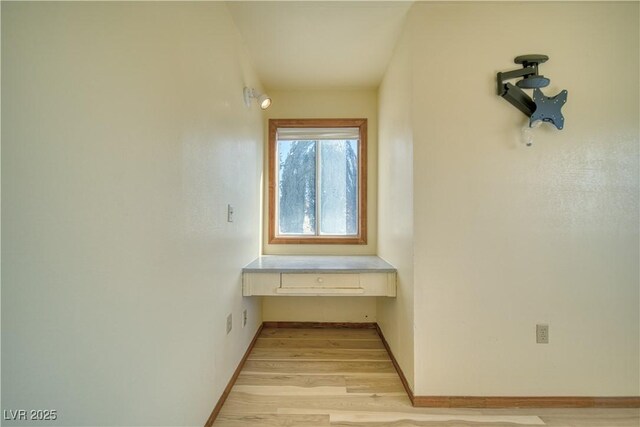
point(229, 213)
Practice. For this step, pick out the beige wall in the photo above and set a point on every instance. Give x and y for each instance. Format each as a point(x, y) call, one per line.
point(395, 206)
point(508, 236)
point(332, 103)
point(124, 132)
point(319, 309)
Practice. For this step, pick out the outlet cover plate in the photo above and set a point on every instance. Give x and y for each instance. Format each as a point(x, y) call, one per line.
point(542, 334)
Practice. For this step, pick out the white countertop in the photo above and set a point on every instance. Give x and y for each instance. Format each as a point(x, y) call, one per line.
point(318, 264)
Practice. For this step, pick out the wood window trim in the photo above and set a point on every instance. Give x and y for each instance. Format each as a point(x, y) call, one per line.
point(361, 237)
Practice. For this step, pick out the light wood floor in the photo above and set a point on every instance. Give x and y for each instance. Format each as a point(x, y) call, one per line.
point(344, 377)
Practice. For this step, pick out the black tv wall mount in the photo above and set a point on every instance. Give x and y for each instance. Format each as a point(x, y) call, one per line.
point(541, 107)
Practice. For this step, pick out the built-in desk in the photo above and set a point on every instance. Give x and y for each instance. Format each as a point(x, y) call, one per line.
point(288, 275)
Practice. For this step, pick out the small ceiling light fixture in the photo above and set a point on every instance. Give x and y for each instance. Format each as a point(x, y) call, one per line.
point(264, 101)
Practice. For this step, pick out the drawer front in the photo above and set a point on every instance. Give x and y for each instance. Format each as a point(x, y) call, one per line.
point(326, 280)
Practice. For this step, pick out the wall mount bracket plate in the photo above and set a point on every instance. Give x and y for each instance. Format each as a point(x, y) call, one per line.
point(541, 107)
point(548, 108)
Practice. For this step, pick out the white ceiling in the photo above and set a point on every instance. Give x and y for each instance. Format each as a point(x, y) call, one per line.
point(328, 44)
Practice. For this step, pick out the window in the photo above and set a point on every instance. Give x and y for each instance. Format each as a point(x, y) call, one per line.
point(318, 181)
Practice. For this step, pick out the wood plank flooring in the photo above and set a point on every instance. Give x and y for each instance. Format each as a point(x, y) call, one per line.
point(344, 377)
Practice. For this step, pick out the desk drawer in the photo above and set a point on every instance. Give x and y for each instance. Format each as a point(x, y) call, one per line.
point(307, 284)
point(321, 280)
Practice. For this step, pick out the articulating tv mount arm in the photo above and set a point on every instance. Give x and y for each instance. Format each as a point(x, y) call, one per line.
point(540, 107)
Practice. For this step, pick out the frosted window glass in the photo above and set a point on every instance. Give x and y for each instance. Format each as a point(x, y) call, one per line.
point(297, 187)
point(317, 187)
point(338, 187)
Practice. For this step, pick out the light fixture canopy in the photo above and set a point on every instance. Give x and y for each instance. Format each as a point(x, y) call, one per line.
point(264, 101)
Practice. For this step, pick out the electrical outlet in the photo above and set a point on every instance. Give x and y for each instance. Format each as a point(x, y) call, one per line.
point(229, 213)
point(229, 323)
point(244, 318)
point(542, 334)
